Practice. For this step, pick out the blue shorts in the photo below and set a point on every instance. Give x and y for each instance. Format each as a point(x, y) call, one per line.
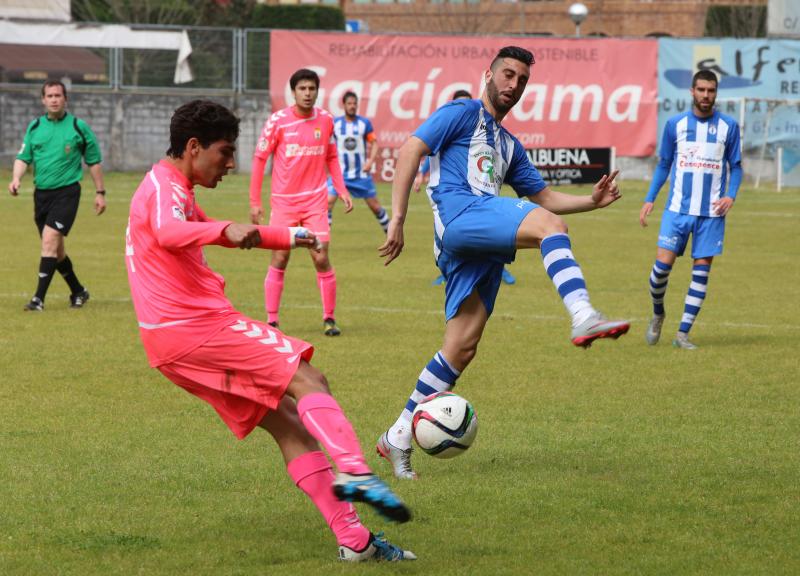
point(476, 245)
point(707, 234)
point(358, 187)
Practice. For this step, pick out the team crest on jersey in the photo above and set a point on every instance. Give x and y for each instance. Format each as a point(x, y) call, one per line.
point(350, 143)
point(262, 144)
point(317, 133)
point(712, 129)
point(486, 166)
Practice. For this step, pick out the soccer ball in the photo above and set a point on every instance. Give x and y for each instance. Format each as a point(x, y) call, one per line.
point(444, 425)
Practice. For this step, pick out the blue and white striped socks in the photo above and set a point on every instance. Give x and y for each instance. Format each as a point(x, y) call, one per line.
point(659, 276)
point(695, 296)
point(437, 376)
point(566, 276)
point(383, 219)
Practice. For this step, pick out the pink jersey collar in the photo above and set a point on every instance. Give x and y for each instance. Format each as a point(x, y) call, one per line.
point(177, 174)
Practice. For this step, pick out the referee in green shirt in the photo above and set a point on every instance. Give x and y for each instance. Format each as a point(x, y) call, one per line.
point(55, 144)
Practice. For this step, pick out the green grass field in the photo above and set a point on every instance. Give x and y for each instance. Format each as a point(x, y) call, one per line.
point(623, 459)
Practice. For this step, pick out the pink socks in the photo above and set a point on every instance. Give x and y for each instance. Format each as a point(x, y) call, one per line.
point(273, 289)
point(327, 291)
point(325, 421)
point(312, 473)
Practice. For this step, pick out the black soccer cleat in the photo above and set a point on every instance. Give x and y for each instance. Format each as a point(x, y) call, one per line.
point(79, 299)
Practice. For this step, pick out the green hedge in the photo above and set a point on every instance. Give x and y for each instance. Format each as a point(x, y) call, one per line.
point(297, 17)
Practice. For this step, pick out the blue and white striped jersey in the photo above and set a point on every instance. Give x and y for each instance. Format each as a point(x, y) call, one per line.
point(351, 143)
point(699, 153)
point(472, 156)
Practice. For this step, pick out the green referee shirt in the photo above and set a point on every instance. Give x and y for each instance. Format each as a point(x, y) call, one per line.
point(55, 148)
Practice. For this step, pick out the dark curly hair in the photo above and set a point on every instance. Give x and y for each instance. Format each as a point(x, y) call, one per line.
point(202, 119)
point(303, 74)
point(515, 53)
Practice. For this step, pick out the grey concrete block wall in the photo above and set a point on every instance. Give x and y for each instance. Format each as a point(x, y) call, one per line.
point(132, 128)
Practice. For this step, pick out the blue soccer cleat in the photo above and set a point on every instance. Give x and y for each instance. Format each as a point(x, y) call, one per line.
point(378, 549)
point(370, 489)
point(508, 277)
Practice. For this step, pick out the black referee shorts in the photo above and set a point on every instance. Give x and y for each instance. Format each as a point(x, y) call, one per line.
point(57, 207)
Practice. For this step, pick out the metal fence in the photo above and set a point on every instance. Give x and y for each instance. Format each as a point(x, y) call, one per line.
point(222, 60)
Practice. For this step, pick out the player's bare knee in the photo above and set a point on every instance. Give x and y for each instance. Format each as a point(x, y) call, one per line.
point(280, 259)
point(307, 380)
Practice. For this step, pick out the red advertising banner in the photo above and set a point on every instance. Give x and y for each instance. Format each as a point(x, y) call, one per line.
point(586, 93)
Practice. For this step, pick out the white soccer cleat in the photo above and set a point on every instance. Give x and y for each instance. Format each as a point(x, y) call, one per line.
point(378, 550)
point(654, 329)
point(682, 341)
point(399, 458)
point(598, 326)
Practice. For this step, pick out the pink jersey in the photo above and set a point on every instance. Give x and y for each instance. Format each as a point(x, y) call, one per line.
point(303, 147)
point(180, 302)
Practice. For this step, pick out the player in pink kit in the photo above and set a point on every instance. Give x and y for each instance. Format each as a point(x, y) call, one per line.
point(250, 373)
point(301, 140)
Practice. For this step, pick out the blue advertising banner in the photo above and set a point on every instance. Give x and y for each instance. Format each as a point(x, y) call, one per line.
point(763, 75)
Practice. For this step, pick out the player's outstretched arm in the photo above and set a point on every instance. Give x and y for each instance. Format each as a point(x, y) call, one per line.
point(604, 193)
point(247, 236)
point(407, 164)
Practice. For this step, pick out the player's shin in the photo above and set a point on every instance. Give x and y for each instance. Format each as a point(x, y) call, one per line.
point(311, 472)
point(324, 419)
point(326, 281)
point(695, 296)
point(437, 376)
point(567, 277)
point(659, 277)
point(273, 290)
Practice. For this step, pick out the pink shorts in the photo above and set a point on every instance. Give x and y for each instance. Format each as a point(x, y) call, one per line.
point(315, 219)
point(243, 371)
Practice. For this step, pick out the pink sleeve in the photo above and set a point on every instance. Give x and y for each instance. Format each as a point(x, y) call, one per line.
point(268, 139)
point(171, 229)
point(275, 237)
point(332, 160)
point(257, 180)
point(176, 234)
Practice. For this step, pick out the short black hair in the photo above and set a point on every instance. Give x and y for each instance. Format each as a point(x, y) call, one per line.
point(51, 83)
point(349, 94)
point(459, 94)
point(303, 74)
point(707, 75)
point(202, 119)
point(515, 53)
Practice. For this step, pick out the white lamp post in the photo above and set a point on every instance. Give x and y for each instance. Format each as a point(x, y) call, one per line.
point(578, 12)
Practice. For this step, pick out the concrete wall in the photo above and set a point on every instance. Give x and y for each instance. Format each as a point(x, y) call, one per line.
point(132, 129)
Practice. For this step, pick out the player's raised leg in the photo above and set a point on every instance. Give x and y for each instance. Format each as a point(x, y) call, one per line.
point(548, 231)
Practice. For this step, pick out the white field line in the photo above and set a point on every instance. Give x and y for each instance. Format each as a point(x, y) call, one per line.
point(439, 312)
